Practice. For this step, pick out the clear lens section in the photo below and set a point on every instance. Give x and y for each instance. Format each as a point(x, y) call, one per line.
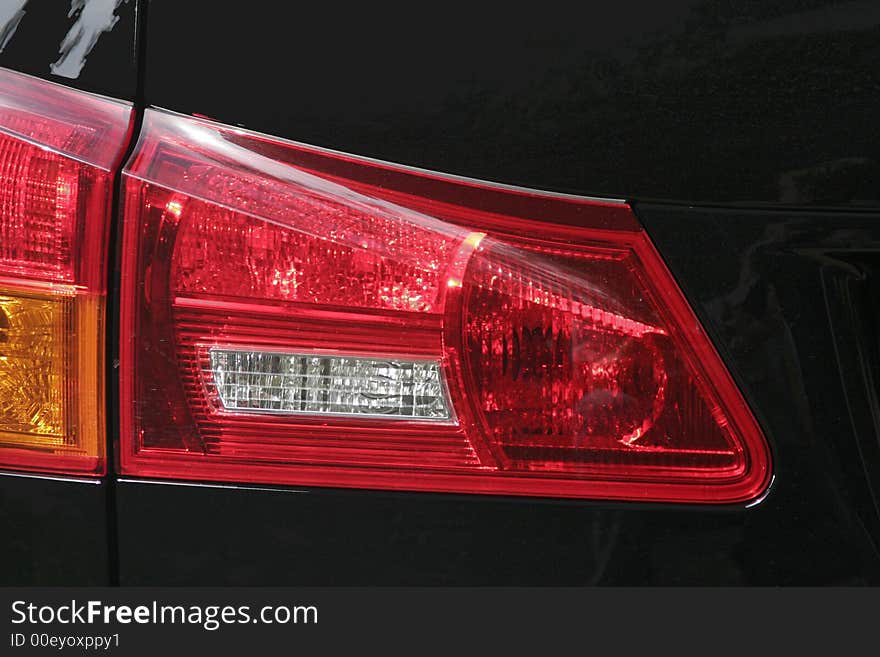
point(333, 385)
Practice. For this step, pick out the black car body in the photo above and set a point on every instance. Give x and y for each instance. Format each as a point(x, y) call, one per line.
point(745, 137)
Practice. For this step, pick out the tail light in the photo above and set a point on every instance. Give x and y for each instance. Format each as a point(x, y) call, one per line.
point(297, 316)
point(58, 152)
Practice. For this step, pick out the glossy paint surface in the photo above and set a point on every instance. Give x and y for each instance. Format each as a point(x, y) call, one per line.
point(705, 101)
point(55, 532)
point(694, 102)
point(92, 47)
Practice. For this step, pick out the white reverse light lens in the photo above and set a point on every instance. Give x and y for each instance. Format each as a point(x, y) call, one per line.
point(313, 384)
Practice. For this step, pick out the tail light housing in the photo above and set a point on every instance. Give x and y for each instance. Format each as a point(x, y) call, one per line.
point(298, 316)
point(59, 150)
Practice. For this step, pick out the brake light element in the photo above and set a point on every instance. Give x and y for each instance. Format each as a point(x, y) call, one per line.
point(292, 315)
point(58, 152)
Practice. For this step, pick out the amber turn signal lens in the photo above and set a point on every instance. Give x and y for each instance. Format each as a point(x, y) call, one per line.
point(50, 378)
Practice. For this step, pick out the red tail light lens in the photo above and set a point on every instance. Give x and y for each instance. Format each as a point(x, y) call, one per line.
point(291, 315)
point(58, 152)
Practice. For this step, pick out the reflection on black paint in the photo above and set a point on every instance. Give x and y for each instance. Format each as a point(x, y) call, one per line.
point(697, 100)
point(91, 19)
point(11, 14)
point(96, 39)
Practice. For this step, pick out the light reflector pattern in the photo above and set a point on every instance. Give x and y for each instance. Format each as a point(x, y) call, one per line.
point(59, 149)
point(327, 384)
point(33, 331)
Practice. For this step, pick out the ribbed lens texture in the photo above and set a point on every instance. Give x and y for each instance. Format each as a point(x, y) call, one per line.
point(568, 371)
point(314, 250)
point(33, 332)
point(334, 385)
point(38, 211)
point(59, 134)
point(234, 301)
